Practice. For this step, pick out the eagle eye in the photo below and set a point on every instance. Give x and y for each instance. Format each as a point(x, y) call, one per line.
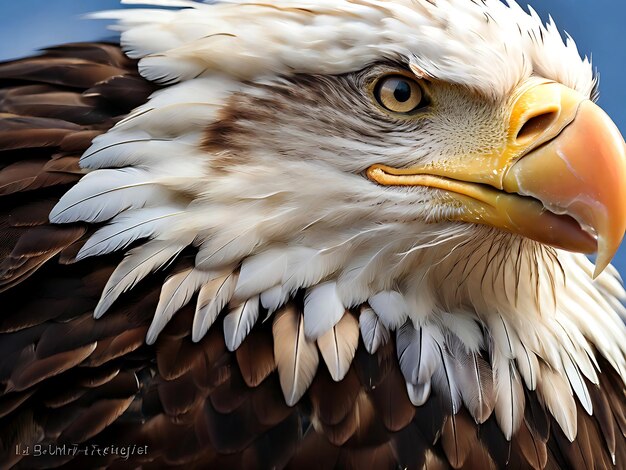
point(399, 94)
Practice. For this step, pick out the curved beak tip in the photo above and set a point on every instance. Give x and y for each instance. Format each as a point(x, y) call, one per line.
point(607, 250)
point(582, 169)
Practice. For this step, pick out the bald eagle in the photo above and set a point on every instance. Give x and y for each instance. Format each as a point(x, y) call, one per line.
point(311, 234)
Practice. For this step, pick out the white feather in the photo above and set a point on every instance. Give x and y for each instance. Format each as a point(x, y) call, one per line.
point(556, 394)
point(526, 360)
point(465, 327)
point(261, 272)
point(418, 351)
point(476, 386)
point(338, 346)
point(528, 366)
point(176, 292)
point(164, 3)
point(134, 17)
point(360, 271)
point(373, 332)
point(322, 309)
point(138, 263)
point(577, 382)
point(612, 283)
point(173, 119)
point(165, 71)
point(227, 247)
point(103, 194)
point(212, 298)
point(510, 398)
point(128, 227)
point(345, 36)
point(307, 267)
point(274, 298)
point(239, 322)
point(578, 347)
point(504, 337)
point(446, 383)
point(296, 356)
point(390, 308)
point(588, 367)
point(418, 394)
point(120, 148)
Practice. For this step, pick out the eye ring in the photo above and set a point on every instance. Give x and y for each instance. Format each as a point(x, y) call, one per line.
point(399, 94)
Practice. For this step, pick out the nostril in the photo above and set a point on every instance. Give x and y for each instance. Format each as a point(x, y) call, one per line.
point(536, 125)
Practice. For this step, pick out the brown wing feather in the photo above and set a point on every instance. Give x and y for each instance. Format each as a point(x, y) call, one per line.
point(255, 357)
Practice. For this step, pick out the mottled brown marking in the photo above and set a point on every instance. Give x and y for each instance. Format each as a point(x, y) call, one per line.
point(261, 117)
point(230, 138)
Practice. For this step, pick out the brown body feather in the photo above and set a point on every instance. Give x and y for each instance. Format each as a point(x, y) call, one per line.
point(67, 378)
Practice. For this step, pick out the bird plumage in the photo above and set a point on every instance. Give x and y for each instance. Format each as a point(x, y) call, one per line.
point(225, 160)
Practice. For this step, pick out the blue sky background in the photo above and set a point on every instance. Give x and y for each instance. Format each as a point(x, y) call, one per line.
point(596, 25)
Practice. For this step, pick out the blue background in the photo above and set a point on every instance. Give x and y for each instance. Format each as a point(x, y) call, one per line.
point(596, 25)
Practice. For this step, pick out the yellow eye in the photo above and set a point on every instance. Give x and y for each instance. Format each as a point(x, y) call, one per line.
point(398, 94)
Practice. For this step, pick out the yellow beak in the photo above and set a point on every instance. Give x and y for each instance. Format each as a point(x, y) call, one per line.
point(559, 179)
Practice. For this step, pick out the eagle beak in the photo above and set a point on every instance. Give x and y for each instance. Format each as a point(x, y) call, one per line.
point(559, 178)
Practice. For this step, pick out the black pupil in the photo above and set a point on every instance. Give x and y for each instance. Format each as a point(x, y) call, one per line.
point(402, 93)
